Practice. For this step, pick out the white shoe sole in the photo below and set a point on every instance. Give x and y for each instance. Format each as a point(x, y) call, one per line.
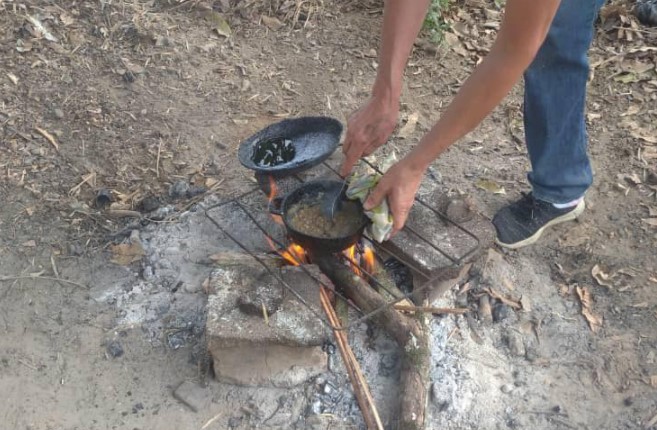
point(572, 215)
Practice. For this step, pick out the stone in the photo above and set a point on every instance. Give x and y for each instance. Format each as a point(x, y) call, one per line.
point(501, 312)
point(284, 351)
point(506, 388)
point(194, 396)
point(114, 349)
point(449, 238)
point(59, 114)
point(179, 189)
point(515, 343)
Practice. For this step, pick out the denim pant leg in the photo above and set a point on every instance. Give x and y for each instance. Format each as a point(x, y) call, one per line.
point(555, 98)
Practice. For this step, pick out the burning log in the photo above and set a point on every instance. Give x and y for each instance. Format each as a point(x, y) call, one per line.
point(409, 332)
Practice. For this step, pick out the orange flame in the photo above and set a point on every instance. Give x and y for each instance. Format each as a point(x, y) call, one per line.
point(350, 253)
point(368, 259)
point(273, 192)
point(294, 254)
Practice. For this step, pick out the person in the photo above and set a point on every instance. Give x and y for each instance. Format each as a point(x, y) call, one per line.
point(547, 43)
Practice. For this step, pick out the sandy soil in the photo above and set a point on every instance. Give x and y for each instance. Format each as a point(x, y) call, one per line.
point(132, 97)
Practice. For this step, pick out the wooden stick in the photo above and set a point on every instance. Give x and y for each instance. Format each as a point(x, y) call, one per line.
point(48, 278)
point(361, 390)
point(431, 309)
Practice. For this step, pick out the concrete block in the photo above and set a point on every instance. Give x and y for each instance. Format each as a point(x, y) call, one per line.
point(283, 350)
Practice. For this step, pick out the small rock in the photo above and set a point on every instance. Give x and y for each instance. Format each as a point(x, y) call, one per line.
point(506, 388)
point(149, 204)
point(179, 189)
point(439, 398)
point(148, 274)
point(316, 407)
point(75, 249)
point(195, 191)
point(161, 213)
point(192, 288)
point(628, 401)
point(114, 349)
point(234, 422)
point(515, 343)
point(461, 210)
point(193, 395)
point(501, 312)
point(137, 407)
point(651, 179)
point(59, 114)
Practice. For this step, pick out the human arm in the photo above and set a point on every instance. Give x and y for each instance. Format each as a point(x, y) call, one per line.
point(370, 126)
point(523, 30)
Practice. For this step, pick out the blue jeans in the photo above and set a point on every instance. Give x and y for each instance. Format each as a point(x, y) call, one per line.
point(555, 99)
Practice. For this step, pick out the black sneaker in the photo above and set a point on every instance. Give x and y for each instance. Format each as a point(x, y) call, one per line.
point(521, 223)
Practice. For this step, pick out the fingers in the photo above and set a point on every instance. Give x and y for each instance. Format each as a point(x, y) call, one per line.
point(400, 212)
point(377, 195)
point(348, 163)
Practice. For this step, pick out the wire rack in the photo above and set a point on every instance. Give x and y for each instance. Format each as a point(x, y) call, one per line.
point(253, 204)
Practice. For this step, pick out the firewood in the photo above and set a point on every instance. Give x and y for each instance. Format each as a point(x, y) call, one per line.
point(410, 333)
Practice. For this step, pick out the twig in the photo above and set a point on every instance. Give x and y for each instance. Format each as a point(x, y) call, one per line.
point(47, 278)
point(367, 405)
point(157, 162)
point(211, 420)
point(432, 310)
point(49, 137)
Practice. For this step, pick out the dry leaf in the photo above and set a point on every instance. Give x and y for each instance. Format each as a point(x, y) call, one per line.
point(644, 135)
point(653, 381)
point(408, 128)
point(650, 221)
point(29, 244)
point(490, 186)
point(12, 78)
point(595, 321)
point(127, 253)
point(219, 23)
point(271, 23)
point(49, 137)
point(601, 277)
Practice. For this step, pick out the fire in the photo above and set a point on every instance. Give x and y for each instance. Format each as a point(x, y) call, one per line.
point(273, 189)
point(273, 192)
point(294, 254)
point(368, 259)
point(352, 256)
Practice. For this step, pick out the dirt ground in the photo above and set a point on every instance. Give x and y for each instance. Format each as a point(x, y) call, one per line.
point(133, 96)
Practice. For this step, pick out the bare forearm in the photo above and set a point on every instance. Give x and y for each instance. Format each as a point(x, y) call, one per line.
point(522, 34)
point(402, 21)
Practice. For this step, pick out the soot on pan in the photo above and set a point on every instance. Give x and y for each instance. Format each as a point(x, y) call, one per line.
point(273, 152)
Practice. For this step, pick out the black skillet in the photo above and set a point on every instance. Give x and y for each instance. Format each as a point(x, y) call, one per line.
point(296, 144)
point(311, 192)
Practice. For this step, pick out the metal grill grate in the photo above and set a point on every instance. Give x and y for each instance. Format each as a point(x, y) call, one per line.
point(254, 205)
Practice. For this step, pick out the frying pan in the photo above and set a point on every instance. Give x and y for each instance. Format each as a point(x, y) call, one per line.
point(309, 192)
point(312, 140)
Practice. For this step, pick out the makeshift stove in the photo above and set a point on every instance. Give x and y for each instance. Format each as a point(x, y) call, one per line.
point(326, 277)
point(414, 248)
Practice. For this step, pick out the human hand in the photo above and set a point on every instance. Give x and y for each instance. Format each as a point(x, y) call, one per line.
point(399, 185)
point(368, 128)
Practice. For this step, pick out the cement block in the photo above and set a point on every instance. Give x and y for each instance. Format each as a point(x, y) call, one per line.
point(448, 237)
point(284, 350)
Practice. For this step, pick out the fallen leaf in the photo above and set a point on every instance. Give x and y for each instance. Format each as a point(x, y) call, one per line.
point(29, 244)
point(271, 23)
point(595, 321)
point(12, 78)
point(633, 179)
point(601, 277)
point(126, 253)
point(653, 381)
point(641, 305)
point(219, 24)
point(650, 221)
point(626, 78)
point(643, 134)
point(632, 110)
point(49, 137)
point(490, 186)
point(41, 29)
point(408, 128)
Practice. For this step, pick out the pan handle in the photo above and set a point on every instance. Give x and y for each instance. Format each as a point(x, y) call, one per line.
point(275, 206)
